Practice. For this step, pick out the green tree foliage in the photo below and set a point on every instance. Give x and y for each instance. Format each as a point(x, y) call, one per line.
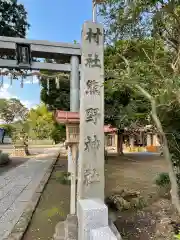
point(12, 109)
point(155, 67)
point(40, 122)
point(127, 19)
point(56, 98)
point(152, 74)
point(9, 128)
point(129, 106)
point(41, 125)
point(13, 19)
point(58, 133)
point(53, 97)
point(149, 66)
point(157, 76)
point(120, 27)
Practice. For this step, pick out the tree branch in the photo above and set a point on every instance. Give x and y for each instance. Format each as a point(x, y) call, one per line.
point(167, 156)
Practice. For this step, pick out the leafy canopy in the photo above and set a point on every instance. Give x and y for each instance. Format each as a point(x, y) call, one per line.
point(12, 109)
point(53, 97)
point(40, 122)
point(13, 19)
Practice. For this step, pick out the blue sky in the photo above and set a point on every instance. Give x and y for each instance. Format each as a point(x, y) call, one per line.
point(55, 20)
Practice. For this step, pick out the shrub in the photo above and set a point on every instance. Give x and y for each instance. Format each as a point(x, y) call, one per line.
point(125, 200)
point(162, 179)
point(58, 133)
point(4, 158)
point(164, 184)
point(9, 128)
point(64, 178)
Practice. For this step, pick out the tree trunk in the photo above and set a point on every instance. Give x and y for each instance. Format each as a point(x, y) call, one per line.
point(174, 185)
point(3, 137)
point(120, 144)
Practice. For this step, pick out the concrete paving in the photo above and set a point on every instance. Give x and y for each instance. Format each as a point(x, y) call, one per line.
point(17, 187)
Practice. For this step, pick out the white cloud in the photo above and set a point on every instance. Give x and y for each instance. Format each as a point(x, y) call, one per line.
point(5, 93)
point(28, 104)
point(30, 80)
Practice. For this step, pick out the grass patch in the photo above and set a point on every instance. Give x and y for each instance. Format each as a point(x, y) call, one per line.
point(63, 178)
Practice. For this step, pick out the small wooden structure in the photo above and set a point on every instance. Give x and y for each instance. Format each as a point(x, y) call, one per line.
point(111, 138)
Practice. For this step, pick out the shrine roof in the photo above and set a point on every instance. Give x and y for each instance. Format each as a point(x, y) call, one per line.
point(73, 117)
point(66, 116)
point(109, 129)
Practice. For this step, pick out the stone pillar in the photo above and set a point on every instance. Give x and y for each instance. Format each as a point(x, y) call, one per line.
point(102, 234)
point(93, 221)
point(92, 213)
point(149, 142)
point(116, 142)
point(131, 141)
point(74, 107)
point(87, 221)
point(120, 143)
point(74, 150)
point(155, 140)
point(74, 85)
point(140, 137)
point(105, 140)
point(69, 159)
point(74, 95)
point(91, 155)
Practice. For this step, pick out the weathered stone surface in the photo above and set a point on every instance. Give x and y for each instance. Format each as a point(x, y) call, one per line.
point(67, 230)
point(71, 227)
point(59, 231)
point(91, 154)
point(114, 230)
point(103, 233)
point(92, 213)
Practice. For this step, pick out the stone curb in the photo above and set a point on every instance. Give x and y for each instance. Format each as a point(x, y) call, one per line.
point(21, 226)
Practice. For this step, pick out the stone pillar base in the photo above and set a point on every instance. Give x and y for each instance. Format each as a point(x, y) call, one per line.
point(92, 230)
point(20, 151)
point(67, 230)
point(93, 222)
point(59, 231)
point(103, 233)
point(92, 213)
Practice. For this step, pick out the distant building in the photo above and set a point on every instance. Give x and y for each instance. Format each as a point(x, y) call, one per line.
point(143, 138)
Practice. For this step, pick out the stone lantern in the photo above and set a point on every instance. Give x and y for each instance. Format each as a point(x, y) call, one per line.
point(72, 133)
point(71, 120)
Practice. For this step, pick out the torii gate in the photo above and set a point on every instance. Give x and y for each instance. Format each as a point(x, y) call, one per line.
point(69, 54)
point(25, 50)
